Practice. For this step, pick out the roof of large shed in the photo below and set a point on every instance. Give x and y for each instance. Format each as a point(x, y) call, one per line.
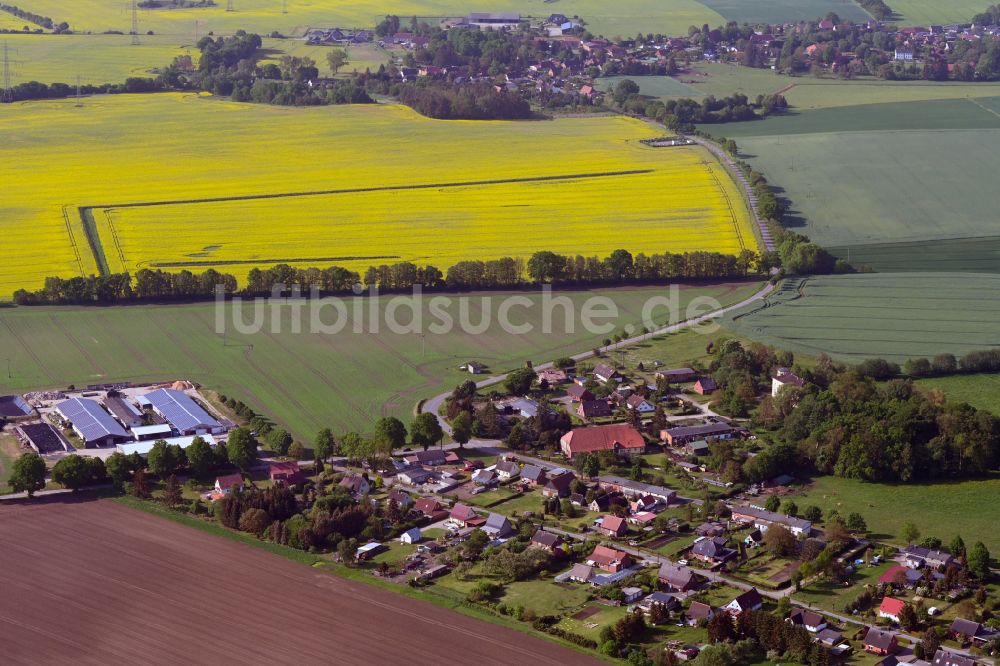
point(178, 408)
point(90, 420)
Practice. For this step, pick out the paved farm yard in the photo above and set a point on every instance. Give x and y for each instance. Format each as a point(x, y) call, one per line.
point(96, 583)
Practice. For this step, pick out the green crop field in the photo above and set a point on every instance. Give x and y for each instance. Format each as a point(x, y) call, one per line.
point(982, 391)
point(304, 380)
point(664, 87)
point(955, 255)
point(927, 12)
point(95, 59)
point(938, 509)
point(893, 316)
point(857, 188)
point(625, 17)
point(784, 11)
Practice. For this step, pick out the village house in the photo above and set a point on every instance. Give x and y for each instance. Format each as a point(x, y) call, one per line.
point(226, 484)
point(966, 631)
point(604, 373)
point(581, 573)
point(948, 658)
point(524, 407)
point(355, 484)
point(639, 404)
point(498, 526)
point(891, 608)
point(414, 476)
point(712, 550)
point(552, 376)
point(762, 519)
point(288, 473)
point(665, 600)
point(681, 435)
point(621, 438)
point(558, 484)
point(783, 377)
point(677, 578)
point(609, 559)
point(900, 575)
point(629, 488)
point(677, 375)
point(507, 470)
point(630, 594)
point(401, 498)
point(748, 601)
point(411, 536)
point(579, 394)
point(553, 543)
point(916, 557)
point(593, 409)
point(464, 516)
point(697, 448)
point(485, 477)
point(880, 642)
point(811, 621)
point(433, 458)
point(431, 508)
point(698, 612)
point(612, 526)
point(533, 476)
point(705, 386)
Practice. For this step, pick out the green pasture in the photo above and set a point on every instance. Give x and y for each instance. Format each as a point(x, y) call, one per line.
point(893, 316)
point(663, 87)
point(303, 380)
point(982, 391)
point(858, 188)
point(937, 509)
point(785, 11)
point(625, 17)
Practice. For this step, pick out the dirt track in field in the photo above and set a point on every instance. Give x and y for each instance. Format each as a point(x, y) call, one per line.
point(88, 582)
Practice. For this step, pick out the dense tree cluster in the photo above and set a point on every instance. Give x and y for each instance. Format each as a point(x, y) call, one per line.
point(877, 8)
point(149, 284)
point(991, 16)
point(446, 101)
point(987, 360)
point(37, 19)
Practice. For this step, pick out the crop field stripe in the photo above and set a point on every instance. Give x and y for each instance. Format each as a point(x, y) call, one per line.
point(729, 204)
point(72, 239)
point(93, 239)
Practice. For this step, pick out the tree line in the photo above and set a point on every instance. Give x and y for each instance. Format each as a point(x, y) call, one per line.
point(37, 19)
point(620, 267)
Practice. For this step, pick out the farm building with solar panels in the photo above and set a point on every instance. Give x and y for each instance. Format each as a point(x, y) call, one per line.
point(183, 413)
point(94, 426)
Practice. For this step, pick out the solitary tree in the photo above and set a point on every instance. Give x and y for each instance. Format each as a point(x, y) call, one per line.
point(778, 540)
point(119, 469)
point(27, 474)
point(979, 560)
point(910, 533)
point(856, 523)
point(772, 503)
point(200, 457)
point(279, 440)
point(336, 58)
point(75, 471)
point(325, 444)
point(519, 381)
point(172, 492)
point(390, 432)
point(425, 430)
point(140, 484)
point(241, 448)
point(461, 428)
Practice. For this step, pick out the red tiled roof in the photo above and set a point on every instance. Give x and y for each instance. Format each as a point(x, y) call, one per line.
point(612, 523)
point(604, 555)
point(891, 606)
point(603, 438)
point(890, 573)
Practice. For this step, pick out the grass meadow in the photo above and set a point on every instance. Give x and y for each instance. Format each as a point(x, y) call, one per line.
point(625, 17)
point(937, 509)
point(927, 12)
point(893, 316)
point(180, 147)
point(954, 255)
point(303, 380)
point(981, 391)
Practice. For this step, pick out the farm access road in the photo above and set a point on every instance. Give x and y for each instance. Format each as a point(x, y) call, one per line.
point(137, 588)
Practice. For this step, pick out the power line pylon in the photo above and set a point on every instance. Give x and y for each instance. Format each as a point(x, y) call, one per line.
point(8, 91)
point(135, 23)
point(230, 7)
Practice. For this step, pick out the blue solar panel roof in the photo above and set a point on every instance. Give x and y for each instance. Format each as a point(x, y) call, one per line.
point(182, 412)
point(90, 419)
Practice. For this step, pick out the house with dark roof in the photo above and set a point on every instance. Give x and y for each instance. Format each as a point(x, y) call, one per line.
point(553, 543)
point(226, 484)
point(748, 601)
point(355, 484)
point(558, 484)
point(533, 475)
point(665, 600)
point(402, 499)
point(783, 377)
point(288, 473)
point(967, 631)
point(578, 393)
point(465, 516)
point(485, 477)
point(431, 508)
point(948, 658)
point(763, 519)
point(498, 526)
point(878, 641)
point(635, 489)
point(507, 470)
point(680, 435)
point(639, 404)
point(431, 458)
point(677, 577)
point(916, 557)
point(712, 550)
point(593, 409)
point(677, 375)
point(705, 386)
point(604, 373)
point(414, 476)
point(809, 620)
point(126, 413)
point(621, 438)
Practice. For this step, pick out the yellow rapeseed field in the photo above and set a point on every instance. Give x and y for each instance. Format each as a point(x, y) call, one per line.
point(119, 150)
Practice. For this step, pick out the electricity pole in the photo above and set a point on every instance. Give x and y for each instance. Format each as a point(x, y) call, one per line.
point(135, 23)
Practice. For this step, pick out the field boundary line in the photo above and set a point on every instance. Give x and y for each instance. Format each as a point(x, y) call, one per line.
point(90, 230)
point(379, 188)
point(982, 106)
point(72, 240)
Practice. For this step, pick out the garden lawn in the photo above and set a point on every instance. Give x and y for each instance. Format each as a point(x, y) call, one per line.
point(854, 317)
point(940, 509)
point(607, 616)
point(546, 597)
point(303, 381)
point(828, 595)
